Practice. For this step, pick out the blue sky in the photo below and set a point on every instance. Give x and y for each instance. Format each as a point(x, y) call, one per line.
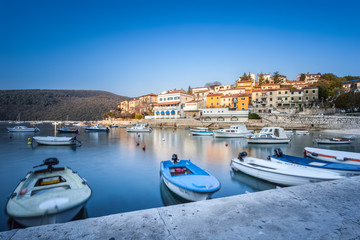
point(133, 48)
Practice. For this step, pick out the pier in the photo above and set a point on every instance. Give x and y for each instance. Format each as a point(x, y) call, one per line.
point(326, 210)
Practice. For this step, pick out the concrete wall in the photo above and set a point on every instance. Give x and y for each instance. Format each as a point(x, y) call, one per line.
point(326, 210)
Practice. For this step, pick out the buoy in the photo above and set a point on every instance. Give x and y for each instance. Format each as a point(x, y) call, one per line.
point(10, 137)
point(29, 142)
point(143, 148)
point(139, 135)
point(137, 144)
point(226, 144)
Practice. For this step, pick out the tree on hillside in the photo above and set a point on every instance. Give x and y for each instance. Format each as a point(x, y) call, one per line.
point(212, 84)
point(278, 78)
point(245, 77)
point(349, 78)
point(302, 77)
point(261, 79)
point(189, 91)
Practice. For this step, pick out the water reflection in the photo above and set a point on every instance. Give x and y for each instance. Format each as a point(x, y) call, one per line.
point(254, 184)
point(168, 197)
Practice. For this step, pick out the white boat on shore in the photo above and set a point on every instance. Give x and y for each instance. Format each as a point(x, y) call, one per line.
point(332, 155)
point(140, 127)
point(302, 132)
point(201, 131)
point(56, 141)
point(23, 129)
point(269, 135)
point(97, 128)
point(46, 196)
point(235, 131)
point(335, 140)
point(280, 173)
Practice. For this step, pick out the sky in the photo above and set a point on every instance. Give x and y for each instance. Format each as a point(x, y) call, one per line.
point(134, 47)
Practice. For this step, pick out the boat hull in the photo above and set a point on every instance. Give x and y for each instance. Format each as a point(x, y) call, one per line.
point(185, 193)
point(138, 130)
point(52, 142)
point(275, 177)
point(326, 141)
point(60, 217)
point(267, 141)
point(230, 135)
point(199, 133)
point(333, 156)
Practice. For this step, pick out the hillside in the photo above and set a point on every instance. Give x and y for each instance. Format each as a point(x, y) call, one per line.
point(56, 104)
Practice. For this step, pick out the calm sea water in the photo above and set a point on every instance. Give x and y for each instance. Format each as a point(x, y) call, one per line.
point(125, 178)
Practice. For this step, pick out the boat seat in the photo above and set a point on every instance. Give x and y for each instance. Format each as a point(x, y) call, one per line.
point(47, 170)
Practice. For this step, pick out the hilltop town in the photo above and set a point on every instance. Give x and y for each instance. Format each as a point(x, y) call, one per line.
point(232, 103)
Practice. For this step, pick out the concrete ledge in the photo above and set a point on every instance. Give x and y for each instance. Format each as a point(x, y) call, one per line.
point(327, 210)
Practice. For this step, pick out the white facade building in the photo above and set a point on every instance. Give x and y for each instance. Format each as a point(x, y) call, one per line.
point(224, 115)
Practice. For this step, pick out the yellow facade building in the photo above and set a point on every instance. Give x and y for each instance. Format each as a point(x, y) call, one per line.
point(247, 85)
point(213, 100)
point(238, 101)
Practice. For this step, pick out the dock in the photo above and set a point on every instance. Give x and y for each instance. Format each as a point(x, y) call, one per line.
point(326, 210)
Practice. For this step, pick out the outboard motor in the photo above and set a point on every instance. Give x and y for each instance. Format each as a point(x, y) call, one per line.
point(174, 158)
point(278, 152)
point(49, 162)
point(242, 156)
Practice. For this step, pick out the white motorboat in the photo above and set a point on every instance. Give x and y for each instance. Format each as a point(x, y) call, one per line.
point(332, 155)
point(46, 196)
point(56, 141)
point(280, 173)
point(97, 128)
point(23, 129)
point(269, 135)
point(335, 140)
point(187, 180)
point(201, 131)
point(235, 131)
point(302, 132)
point(140, 127)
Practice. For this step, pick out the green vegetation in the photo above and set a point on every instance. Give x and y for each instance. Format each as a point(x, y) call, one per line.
point(56, 104)
point(330, 86)
point(348, 101)
point(254, 116)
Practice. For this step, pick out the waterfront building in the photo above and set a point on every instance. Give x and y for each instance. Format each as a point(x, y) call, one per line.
point(270, 86)
point(124, 106)
point(222, 88)
point(352, 84)
point(310, 78)
point(228, 115)
point(171, 103)
point(298, 84)
point(134, 105)
point(213, 100)
point(311, 96)
point(237, 101)
point(246, 84)
point(193, 108)
point(147, 102)
point(232, 91)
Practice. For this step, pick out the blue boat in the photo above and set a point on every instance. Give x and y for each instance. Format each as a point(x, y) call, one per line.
point(187, 180)
point(68, 130)
point(341, 168)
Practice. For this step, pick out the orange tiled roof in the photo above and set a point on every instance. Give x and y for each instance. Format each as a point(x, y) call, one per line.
point(214, 94)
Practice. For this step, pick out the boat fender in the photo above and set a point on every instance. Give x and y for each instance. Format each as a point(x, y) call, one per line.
point(340, 158)
point(278, 152)
point(143, 148)
point(314, 154)
point(226, 144)
point(23, 192)
point(139, 135)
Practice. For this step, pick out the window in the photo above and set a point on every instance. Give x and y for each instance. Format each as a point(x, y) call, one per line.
point(292, 93)
point(212, 98)
point(212, 104)
point(313, 91)
point(313, 97)
point(307, 98)
point(299, 92)
point(270, 99)
point(207, 119)
point(285, 92)
point(286, 98)
point(299, 98)
point(217, 97)
point(243, 98)
point(306, 91)
point(217, 104)
point(220, 119)
point(160, 99)
point(270, 93)
point(243, 104)
point(234, 119)
point(292, 99)
point(279, 92)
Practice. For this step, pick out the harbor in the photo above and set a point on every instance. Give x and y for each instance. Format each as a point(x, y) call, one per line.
point(326, 210)
point(107, 159)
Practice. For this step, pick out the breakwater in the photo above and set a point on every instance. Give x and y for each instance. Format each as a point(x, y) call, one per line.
point(286, 121)
point(326, 210)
